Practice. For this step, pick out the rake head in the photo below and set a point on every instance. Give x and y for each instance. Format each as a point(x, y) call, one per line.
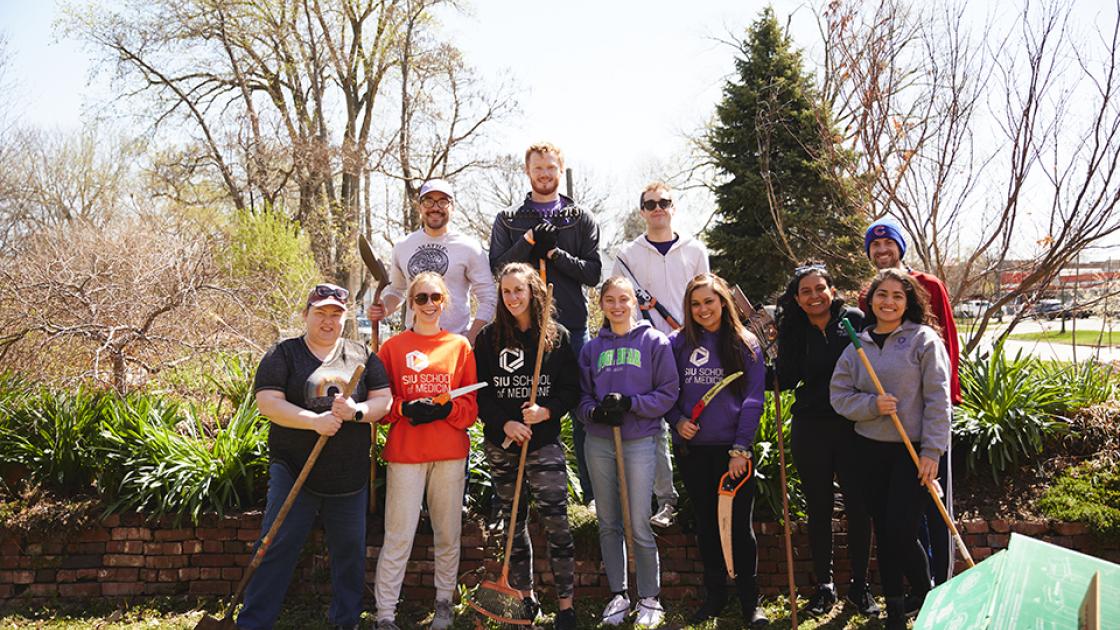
point(501, 603)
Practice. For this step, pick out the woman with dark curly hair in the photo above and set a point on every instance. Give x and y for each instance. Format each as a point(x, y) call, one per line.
point(906, 351)
point(810, 340)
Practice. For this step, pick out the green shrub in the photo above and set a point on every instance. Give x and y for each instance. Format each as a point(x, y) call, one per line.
point(767, 461)
point(1089, 493)
point(1081, 384)
point(53, 434)
point(161, 459)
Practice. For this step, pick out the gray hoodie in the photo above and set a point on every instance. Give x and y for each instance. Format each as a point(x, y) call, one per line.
point(914, 367)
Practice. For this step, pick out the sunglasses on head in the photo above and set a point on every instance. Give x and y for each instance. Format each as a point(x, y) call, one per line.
point(430, 203)
point(650, 204)
point(422, 298)
point(326, 291)
point(806, 269)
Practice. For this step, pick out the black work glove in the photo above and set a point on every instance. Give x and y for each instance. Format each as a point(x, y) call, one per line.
point(617, 402)
point(423, 411)
point(601, 415)
point(544, 237)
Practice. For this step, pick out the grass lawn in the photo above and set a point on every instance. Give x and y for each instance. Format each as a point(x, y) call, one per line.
point(180, 613)
point(1084, 337)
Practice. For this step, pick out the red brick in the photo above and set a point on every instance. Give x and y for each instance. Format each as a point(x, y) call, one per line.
point(131, 533)
point(211, 546)
point(173, 534)
point(118, 589)
point(216, 533)
point(113, 560)
point(209, 573)
point(192, 546)
point(210, 588)
point(998, 541)
point(1029, 528)
point(212, 560)
point(1071, 529)
point(232, 574)
point(39, 590)
point(975, 527)
point(186, 574)
point(84, 589)
point(165, 562)
point(1000, 525)
point(163, 549)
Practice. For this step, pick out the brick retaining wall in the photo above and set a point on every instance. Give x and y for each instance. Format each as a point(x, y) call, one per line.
point(125, 556)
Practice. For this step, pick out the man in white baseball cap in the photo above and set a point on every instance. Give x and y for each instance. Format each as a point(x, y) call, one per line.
point(458, 258)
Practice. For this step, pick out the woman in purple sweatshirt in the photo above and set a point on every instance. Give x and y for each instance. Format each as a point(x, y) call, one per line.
point(712, 345)
point(628, 380)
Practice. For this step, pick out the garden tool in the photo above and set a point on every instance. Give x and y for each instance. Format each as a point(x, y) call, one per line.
point(377, 270)
point(766, 331)
point(498, 600)
point(226, 623)
point(548, 307)
point(698, 408)
point(932, 485)
point(457, 392)
point(646, 300)
point(728, 488)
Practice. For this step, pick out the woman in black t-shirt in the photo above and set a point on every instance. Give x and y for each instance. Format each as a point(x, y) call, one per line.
point(298, 386)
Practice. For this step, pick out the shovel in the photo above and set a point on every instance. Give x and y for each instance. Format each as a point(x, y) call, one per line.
point(226, 623)
point(377, 270)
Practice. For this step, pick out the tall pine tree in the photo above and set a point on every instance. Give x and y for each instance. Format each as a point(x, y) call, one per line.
point(781, 197)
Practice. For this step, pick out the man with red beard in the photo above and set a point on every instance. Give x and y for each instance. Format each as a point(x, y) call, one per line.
point(551, 227)
point(456, 257)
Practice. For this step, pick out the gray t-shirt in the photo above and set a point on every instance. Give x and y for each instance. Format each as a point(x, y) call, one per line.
point(463, 265)
point(307, 382)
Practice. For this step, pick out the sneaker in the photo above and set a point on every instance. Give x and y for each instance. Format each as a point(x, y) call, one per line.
point(665, 516)
point(444, 617)
point(566, 619)
point(591, 506)
point(859, 595)
point(386, 624)
point(616, 610)
point(530, 608)
point(822, 601)
point(710, 610)
point(650, 613)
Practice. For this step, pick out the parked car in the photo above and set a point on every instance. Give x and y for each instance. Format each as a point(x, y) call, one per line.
point(1048, 309)
point(972, 309)
point(1074, 311)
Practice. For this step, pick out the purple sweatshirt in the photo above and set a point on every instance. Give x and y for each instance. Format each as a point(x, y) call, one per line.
point(638, 364)
point(731, 417)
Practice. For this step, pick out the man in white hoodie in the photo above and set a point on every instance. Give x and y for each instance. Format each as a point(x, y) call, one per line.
point(660, 263)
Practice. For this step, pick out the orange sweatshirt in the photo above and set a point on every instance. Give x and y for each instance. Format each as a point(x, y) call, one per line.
point(421, 366)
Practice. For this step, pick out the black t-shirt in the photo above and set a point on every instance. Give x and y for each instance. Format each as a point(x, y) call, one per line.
point(307, 382)
point(879, 338)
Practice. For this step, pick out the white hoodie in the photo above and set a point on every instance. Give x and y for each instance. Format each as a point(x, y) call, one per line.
point(665, 277)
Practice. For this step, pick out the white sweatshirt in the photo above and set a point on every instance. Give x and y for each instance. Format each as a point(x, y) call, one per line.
point(665, 277)
point(463, 265)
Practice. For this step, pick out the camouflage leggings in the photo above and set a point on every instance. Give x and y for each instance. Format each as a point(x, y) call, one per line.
point(546, 481)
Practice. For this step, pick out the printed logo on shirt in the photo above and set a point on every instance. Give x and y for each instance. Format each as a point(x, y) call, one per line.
point(620, 356)
point(416, 360)
point(323, 385)
point(511, 359)
point(901, 340)
point(428, 257)
point(699, 357)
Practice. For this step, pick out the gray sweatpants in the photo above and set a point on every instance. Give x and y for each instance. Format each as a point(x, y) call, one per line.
point(406, 484)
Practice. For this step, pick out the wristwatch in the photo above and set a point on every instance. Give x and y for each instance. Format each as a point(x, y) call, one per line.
point(358, 415)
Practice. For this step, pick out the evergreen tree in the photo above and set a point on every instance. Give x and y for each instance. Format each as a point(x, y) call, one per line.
point(772, 126)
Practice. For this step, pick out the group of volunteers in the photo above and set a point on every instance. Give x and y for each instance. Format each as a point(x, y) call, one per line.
point(671, 336)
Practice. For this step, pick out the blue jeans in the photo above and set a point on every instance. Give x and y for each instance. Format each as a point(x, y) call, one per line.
point(638, 456)
point(344, 518)
point(579, 435)
point(663, 487)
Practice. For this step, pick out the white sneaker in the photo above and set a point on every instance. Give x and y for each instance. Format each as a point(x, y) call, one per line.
point(650, 613)
point(616, 610)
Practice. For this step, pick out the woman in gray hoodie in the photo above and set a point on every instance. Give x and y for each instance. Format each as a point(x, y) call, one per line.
point(903, 345)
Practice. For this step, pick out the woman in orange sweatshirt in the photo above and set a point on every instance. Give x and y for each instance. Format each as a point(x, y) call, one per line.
point(426, 448)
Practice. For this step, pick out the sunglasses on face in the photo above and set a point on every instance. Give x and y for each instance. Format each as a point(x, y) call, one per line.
point(326, 291)
point(650, 204)
point(423, 298)
point(430, 203)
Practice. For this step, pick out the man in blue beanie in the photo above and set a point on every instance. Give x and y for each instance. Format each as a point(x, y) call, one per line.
point(885, 245)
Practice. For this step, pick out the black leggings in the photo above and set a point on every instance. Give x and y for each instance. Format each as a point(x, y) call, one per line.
point(824, 449)
point(701, 469)
point(897, 502)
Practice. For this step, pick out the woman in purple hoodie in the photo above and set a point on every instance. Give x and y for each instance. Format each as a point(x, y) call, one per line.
point(628, 380)
point(712, 345)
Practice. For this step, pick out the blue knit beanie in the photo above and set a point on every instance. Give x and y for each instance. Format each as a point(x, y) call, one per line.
point(884, 228)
